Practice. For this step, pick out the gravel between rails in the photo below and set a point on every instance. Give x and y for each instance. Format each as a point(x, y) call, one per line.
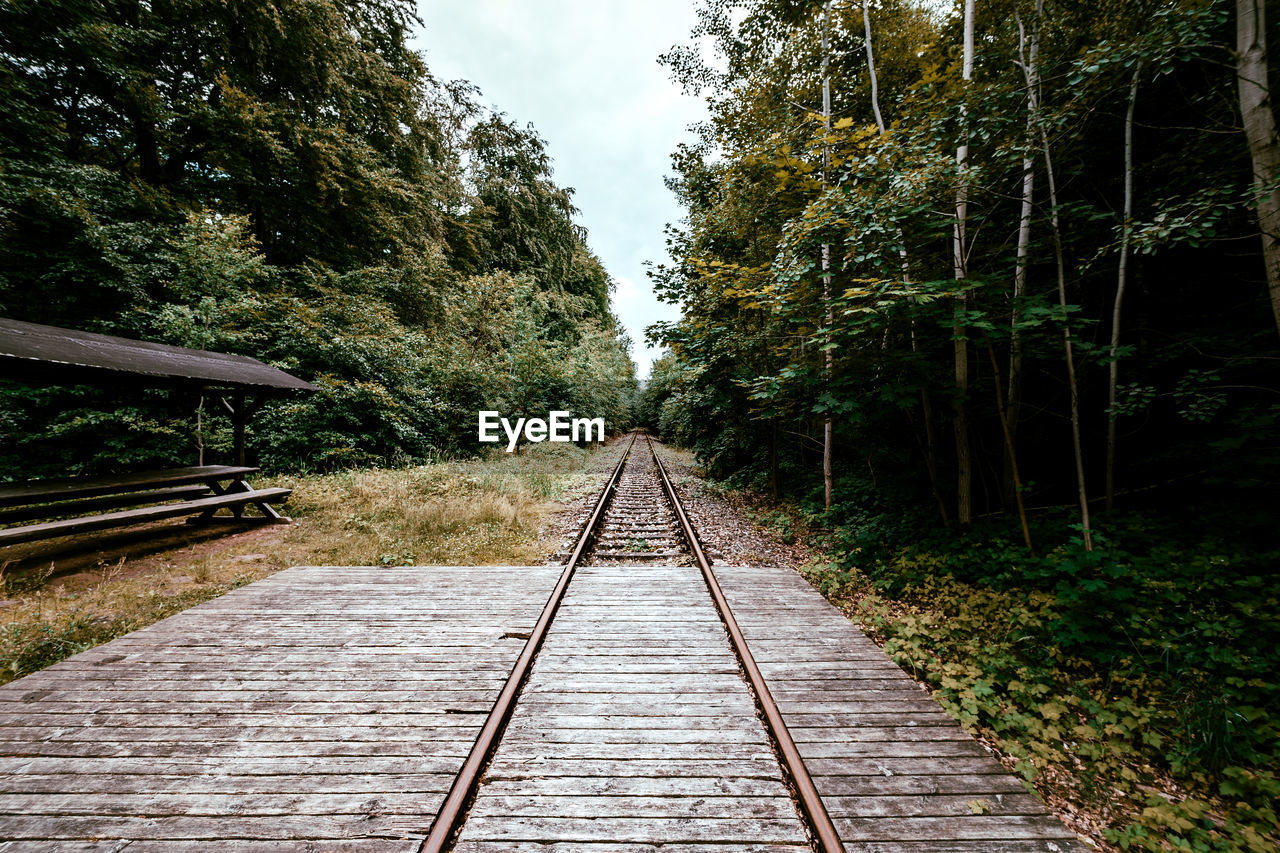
point(724, 523)
point(723, 520)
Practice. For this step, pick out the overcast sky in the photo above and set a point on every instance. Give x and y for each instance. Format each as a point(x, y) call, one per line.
point(585, 74)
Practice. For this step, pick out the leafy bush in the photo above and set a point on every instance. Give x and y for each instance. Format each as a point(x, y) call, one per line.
point(1146, 681)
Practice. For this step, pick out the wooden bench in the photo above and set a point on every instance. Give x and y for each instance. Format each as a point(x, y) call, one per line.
point(196, 492)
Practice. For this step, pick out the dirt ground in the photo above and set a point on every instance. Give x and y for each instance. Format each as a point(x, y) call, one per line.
point(72, 564)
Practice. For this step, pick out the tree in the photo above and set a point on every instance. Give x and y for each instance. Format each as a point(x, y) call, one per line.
point(286, 180)
point(1126, 229)
point(960, 251)
point(1044, 109)
point(828, 423)
point(1260, 131)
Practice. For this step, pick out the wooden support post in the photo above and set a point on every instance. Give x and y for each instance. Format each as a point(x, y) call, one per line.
point(240, 411)
point(238, 418)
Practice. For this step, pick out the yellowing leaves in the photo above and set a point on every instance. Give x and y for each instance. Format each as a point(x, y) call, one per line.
point(979, 807)
point(1053, 710)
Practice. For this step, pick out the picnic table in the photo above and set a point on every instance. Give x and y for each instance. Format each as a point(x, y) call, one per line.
point(74, 504)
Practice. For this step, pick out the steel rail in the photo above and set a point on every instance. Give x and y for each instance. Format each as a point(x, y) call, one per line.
point(451, 814)
point(815, 811)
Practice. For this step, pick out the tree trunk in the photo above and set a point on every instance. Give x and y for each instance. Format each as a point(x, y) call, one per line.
point(1028, 54)
point(1260, 130)
point(1122, 279)
point(964, 465)
point(1073, 387)
point(880, 125)
point(1011, 454)
point(871, 67)
point(828, 357)
point(773, 460)
point(930, 447)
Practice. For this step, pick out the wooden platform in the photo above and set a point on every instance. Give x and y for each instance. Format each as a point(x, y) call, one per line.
point(635, 728)
point(321, 709)
point(327, 709)
point(896, 773)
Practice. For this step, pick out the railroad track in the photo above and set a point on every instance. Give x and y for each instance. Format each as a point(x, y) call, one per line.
point(353, 709)
point(636, 519)
point(639, 525)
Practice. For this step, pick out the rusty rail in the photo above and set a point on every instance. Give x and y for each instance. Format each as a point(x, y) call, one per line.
point(452, 812)
point(824, 831)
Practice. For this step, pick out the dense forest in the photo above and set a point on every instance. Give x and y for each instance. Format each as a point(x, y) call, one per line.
point(992, 293)
point(285, 180)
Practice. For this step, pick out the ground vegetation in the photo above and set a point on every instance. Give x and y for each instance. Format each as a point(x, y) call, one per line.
point(63, 599)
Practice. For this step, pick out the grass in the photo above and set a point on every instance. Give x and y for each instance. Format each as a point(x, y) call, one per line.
point(480, 512)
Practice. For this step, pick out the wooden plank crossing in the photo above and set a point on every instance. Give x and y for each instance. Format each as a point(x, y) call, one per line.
point(896, 773)
point(321, 709)
point(328, 709)
point(635, 730)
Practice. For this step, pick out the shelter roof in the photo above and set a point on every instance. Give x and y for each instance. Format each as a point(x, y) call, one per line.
point(48, 354)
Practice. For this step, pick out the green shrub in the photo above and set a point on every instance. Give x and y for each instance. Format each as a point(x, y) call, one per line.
point(1123, 670)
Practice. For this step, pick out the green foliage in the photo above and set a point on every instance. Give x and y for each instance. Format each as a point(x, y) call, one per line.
point(288, 182)
point(1114, 669)
point(1148, 659)
point(769, 350)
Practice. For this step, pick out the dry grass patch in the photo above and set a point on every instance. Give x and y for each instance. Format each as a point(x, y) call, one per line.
point(478, 512)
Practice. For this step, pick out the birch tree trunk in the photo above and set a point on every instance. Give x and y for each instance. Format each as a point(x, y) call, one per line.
point(871, 67)
point(828, 356)
point(1260, 131)
point(1122, 279)
point(964, 466)
point(1028, 55)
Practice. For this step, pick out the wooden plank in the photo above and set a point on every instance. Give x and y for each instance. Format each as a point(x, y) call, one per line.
point(229, 845)
point(213, 828)
point(972, 827)
point(934, 805)
point(656, 743)
point(53, 719)
point(898, 784)
point(15, 737)
point(319, 705)
point(279, 784)
point(207, 804)
point(436, 753)
point(611, 732)
point(624, 847)
point(593, 806)
point(181, 493)
point(43, 491)
point(341, 700)
point(650, 830)
point(642, 786)
point(311, 845)
point(124, 518)
point(896, 774)
point(523, 749)
point(986, 845)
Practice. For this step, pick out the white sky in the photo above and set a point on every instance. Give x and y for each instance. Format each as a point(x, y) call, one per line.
point(585, 73)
